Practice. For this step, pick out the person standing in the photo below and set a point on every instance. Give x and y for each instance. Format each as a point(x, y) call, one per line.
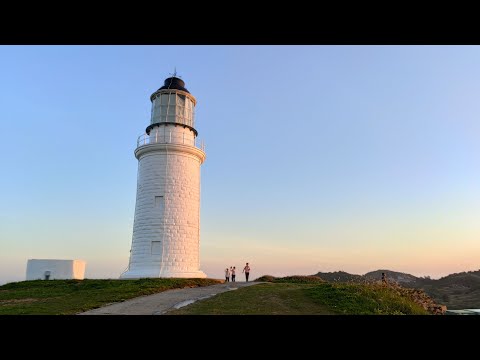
point(227, 274)
point(384, 279)
point(233, 274)
point(246, 270)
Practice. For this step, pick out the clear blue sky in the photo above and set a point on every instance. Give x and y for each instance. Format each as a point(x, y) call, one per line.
point(319, 158)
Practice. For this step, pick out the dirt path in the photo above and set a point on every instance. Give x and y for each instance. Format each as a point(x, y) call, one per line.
point(159, 304)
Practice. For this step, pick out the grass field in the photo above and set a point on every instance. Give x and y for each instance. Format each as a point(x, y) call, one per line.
point(73, 296)
point(302, 298)
point(293, 295)
point(261, 299)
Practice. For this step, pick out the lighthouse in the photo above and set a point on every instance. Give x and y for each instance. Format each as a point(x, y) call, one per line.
point(166, 227)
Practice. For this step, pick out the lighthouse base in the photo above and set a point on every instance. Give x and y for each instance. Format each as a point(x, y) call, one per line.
point(151, 273)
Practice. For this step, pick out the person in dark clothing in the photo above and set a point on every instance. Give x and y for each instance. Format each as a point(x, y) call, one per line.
point(246, 270)
point(384, 278)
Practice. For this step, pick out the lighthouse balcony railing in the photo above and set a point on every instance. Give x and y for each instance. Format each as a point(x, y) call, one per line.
point(169, 138)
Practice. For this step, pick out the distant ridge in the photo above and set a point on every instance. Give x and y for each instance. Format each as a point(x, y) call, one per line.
point(399, 277)
point(457, 291)
point(340, 276)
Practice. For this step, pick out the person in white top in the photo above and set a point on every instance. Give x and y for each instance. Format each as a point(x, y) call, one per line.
point(227, 274)
point(246, 270)
point(232, 270)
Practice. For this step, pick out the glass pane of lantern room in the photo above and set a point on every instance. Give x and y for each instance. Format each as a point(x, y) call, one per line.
point(171, 109)
point(164, 99)
point(163, 112)
point(156, 110)
point(180, 111)
point(173, 99)
point(181, 100)
point(185, 112)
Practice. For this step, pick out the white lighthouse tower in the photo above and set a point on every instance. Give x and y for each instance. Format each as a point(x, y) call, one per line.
point(166, 228)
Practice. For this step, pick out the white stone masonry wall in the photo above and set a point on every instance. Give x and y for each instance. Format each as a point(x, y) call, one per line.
point(166, 229)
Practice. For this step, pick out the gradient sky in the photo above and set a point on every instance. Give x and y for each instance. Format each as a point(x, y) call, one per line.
point(319, 158)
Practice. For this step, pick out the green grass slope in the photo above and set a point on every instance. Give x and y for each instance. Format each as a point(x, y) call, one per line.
point(74, 296)
point(364, 299)
point(307, 295)
point(261, 299)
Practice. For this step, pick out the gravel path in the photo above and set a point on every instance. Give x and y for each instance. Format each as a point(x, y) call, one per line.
point(159, 304)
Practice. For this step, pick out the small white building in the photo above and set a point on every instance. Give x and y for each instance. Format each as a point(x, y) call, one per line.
point(50, 269)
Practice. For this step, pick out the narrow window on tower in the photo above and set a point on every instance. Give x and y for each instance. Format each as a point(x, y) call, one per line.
point(156, 248)
point(159, 202)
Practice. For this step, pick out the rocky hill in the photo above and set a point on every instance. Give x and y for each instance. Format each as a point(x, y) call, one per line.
point(456, 291)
